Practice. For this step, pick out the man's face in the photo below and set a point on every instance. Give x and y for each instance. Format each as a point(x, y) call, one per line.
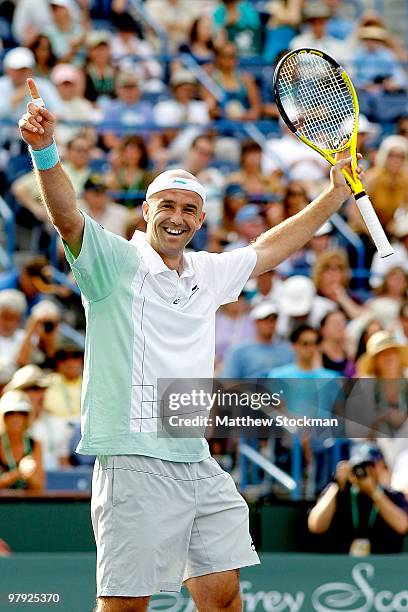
point(173, 216)
point(129, 93)
point(9, 322)
point(19, 76)
point(201, 155)
point(266, 327)
point(306, 346)
point(79, 153)
point(97, 200)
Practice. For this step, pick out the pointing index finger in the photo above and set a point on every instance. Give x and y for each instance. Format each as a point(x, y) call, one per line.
point(35, 94)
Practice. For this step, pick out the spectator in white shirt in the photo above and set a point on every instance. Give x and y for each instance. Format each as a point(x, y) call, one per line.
point(95, 202)
point(182, 107)
point(74, 107)
point(315, 36)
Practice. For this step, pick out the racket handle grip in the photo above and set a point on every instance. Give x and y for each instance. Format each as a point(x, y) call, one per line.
point(373, 225)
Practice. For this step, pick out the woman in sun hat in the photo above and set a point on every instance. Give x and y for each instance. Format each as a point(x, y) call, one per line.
point(384, 403)
point(20, 456)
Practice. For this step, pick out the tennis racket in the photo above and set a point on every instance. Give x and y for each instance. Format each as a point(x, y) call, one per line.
point(318, 103)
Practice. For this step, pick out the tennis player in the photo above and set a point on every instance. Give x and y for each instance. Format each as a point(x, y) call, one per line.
point(163, 511)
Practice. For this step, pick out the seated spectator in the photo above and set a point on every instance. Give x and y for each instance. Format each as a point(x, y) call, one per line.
point(52, 432)
point(281, 27)
point(200, 44)
point(251, 176)
point(266, 287)
point(20, 455)
point(241, 97)
point(303, 260)
point(334, 344)
point(385, 399)
point(331, 275)
point(74, 107)
point(288, 154)
point(249, 224)
point(255, 358)
point(29, 19)
point(76, 161)
point(316, 16)
point(298, 383)
point(368, 330)
point(66, 34)
point(400, 328)
point(96, 203)
point(238, 21)
point(387, 181)
point(45, 59)
point(235, 197)
point(339, 26)
point(198, 159)
point(41, 336)
point(126, 42)
point(63, 396)
point(298, 304)
point(31, 280)
point(14, 95)
point(380, 266)
point(358, 512)
point(183, 107)
point(128, 107)
point(13, 306)
point(130, 172)
point(375, 66)
point(233, 325)
point(99, 70)
point(176, 17)
point(391, 293)
point(76, 164)
point(295, 198)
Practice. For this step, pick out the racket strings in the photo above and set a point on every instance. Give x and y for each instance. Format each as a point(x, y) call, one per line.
point(317, 101)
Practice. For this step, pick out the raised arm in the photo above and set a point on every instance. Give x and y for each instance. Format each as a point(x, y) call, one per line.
point(37, 128)
point(275, 245)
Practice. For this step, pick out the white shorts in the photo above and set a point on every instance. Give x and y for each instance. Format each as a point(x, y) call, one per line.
point(158, 523)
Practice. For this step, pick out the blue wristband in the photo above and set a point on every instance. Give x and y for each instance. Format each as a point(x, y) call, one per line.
point(44, 159)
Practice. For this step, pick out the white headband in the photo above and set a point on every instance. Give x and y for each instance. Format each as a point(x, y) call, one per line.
point(164, 181)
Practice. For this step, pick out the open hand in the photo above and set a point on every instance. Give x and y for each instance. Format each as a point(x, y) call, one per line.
point(37, 125)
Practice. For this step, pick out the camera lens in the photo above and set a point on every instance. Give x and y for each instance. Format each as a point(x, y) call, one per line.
point(49, 326)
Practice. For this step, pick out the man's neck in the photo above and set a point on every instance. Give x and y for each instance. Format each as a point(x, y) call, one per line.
point(307, 366)
point(173, 263)
point(264, 339)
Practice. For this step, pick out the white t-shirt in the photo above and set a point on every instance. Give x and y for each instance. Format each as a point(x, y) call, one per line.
point(54, 435)
point(146, 322)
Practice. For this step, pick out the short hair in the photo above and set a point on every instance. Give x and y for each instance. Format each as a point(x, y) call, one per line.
point(298, 331)
point(13, 300)
point(203, 136)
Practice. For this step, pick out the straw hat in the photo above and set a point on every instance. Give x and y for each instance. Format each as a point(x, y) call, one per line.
point(379, 342)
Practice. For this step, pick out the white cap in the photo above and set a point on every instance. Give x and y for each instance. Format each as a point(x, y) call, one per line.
point(297, 295)
point(263, 310)
point(45, 309)
point(65, 3)
point(18, 58)
point(15, 401)
point(170, 180)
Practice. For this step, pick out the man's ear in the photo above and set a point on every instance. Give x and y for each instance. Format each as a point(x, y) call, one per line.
point(145, 209)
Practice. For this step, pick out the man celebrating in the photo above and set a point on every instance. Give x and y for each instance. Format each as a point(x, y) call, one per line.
point(163, 511)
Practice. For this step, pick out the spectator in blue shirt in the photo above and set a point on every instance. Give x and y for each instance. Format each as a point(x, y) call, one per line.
point(128, 108)
point(311, 398)
point(254, 359)
point(375, 66)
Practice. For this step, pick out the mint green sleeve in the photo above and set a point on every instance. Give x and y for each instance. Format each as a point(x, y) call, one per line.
point(100, 262)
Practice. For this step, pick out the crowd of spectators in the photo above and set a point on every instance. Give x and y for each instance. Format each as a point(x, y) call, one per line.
point(126, 112)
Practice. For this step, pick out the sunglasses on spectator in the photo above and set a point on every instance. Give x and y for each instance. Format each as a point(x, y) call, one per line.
point(333, 267)
point(308, 342)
